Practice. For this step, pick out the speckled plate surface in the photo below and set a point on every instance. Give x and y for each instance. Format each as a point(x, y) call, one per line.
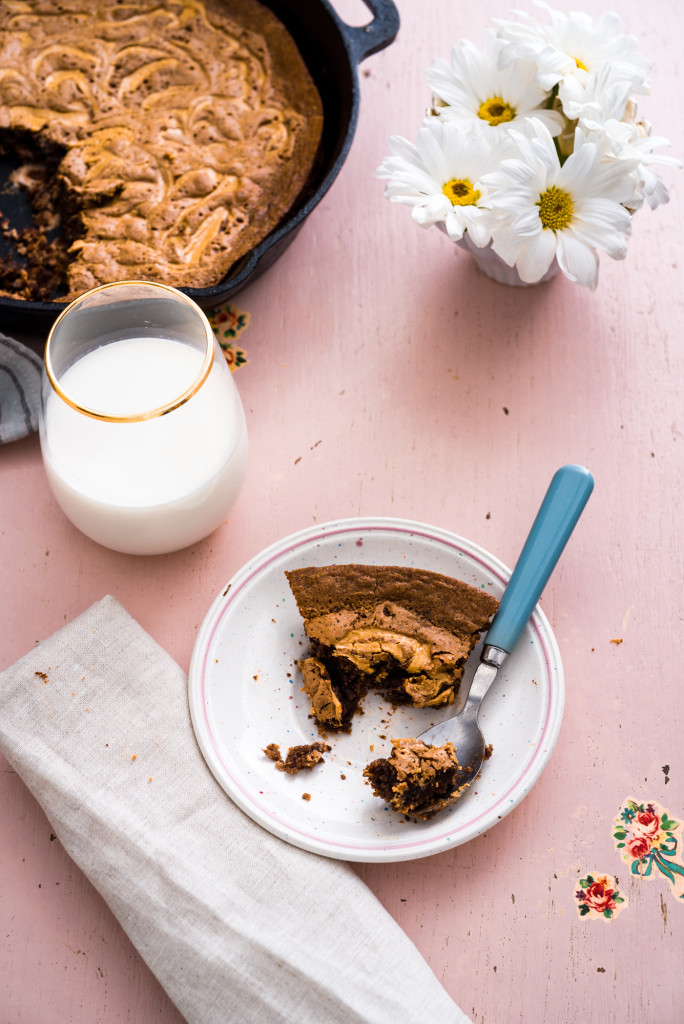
point(245, 692)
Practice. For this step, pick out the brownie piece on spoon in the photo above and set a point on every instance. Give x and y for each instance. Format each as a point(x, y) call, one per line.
point(417, 779)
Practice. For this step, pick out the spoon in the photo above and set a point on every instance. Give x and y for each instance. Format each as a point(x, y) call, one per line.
point(557, 517)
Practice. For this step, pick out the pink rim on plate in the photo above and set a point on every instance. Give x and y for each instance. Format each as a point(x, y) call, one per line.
point(245, 692)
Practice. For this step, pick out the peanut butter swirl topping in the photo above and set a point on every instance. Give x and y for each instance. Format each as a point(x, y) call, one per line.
point(406, 632)
point(188, 128)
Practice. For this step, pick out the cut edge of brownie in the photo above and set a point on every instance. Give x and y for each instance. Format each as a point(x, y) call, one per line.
point(35, 263)
point(334, 710)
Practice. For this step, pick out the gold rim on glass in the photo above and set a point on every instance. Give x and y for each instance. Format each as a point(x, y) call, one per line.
point(151, 414)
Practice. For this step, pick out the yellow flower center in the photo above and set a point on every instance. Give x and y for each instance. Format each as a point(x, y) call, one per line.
point(495, 110)
point(461, 192)
point(555, 208)
point(580, 64)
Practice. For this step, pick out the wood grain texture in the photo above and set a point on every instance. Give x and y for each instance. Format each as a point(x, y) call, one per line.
point(387, 376)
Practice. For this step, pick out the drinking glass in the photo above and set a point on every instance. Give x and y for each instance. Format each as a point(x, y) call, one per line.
point(142, 430)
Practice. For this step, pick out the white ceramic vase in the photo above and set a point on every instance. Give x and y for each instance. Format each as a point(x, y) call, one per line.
point(493, 266)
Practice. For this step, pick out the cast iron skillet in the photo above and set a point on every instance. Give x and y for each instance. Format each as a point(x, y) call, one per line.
point(332, 51)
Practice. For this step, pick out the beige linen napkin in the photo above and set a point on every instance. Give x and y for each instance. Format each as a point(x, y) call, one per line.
point(237, 925)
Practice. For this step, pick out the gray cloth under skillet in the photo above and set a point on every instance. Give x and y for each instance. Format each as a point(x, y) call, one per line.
point(20, 370)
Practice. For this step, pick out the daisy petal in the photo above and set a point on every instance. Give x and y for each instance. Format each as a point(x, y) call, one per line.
point(537, 257)
point(579, 262)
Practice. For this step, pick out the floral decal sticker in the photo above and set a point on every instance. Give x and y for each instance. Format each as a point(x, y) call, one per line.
point(599, 897)
point(228, 322)
point(649, 840)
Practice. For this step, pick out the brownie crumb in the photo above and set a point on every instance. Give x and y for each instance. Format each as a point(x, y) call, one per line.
point(306, 796)
point(305, 756)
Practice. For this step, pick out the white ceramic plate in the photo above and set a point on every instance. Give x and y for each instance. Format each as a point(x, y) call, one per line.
point(245, 692)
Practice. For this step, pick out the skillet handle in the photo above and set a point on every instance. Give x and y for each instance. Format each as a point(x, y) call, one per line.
point(377, 34)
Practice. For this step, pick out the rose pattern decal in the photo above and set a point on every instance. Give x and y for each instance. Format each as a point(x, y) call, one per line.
point(649, 840)
point(228, 323)
point(599, 897)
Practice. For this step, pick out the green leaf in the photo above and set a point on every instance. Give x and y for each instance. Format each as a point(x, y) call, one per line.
point(584, 910)
point(619, 835)
point(585, 882)
point(619, 846)
point(619, 899)
point(607, 913)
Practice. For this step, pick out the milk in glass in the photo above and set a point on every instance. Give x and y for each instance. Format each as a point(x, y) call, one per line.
point(153, 485)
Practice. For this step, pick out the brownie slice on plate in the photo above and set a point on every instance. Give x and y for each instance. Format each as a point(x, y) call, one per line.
point(405, 632)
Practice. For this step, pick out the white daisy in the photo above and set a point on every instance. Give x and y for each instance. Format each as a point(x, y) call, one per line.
point(607, 114)
point(439, 177)
point(650, 186)
point(471, 87)
point(633, 142)
point(548, 211)
point(601, 96)
point(573, 47)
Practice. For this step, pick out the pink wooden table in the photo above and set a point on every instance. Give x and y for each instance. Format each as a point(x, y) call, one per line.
point(386, 376)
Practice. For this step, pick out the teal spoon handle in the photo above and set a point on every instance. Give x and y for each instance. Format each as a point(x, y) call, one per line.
point(557, 517)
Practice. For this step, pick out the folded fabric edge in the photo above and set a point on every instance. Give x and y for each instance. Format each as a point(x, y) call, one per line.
point(433, 997)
